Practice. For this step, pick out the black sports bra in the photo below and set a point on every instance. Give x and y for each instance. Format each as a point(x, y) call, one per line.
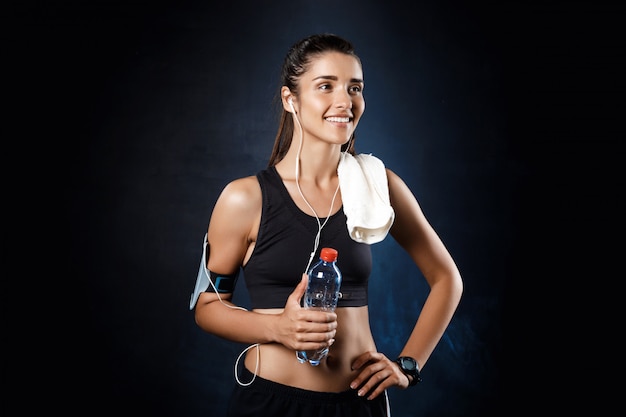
point(284, 243)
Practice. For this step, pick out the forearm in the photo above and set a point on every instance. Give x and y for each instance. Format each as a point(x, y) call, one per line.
point(233, 323)
point(434, 318)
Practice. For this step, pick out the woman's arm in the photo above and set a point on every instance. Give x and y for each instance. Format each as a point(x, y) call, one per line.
point(231, 236)
point(415, 234)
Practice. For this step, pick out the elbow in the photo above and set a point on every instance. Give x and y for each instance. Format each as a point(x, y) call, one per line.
point(198, 316)
point(456, 285)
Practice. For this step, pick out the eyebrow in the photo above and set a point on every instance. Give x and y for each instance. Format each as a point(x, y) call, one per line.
point(334, 78)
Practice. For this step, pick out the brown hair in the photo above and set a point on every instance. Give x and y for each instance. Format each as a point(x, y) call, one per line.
point(295, 64)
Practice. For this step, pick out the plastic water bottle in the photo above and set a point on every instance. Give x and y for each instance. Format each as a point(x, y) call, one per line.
point(322, 293)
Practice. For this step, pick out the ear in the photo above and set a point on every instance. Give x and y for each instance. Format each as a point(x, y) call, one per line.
point(287, 99)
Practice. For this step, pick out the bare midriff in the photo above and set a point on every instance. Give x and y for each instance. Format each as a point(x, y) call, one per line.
point(334, 374)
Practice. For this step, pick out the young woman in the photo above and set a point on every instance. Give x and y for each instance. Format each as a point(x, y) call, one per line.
point(274, 225)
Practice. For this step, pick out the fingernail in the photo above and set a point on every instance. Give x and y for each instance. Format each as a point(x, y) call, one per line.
point(330, 342)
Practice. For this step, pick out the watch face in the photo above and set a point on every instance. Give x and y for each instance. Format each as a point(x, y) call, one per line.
point(408, 364)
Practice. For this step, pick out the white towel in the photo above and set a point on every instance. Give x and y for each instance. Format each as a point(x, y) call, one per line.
point(365, 195)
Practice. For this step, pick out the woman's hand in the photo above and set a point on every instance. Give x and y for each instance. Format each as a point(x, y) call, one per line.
point(302, 329)
point(377, 373)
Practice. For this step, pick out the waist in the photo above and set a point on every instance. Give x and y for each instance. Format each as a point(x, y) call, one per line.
point(334, 374)
point(271, 387)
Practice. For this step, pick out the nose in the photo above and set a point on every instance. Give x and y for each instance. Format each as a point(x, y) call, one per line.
point(343, 100)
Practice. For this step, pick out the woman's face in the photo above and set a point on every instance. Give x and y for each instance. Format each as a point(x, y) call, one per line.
point(331, 102)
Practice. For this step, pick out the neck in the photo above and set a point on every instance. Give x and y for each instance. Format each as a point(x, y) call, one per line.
point(318, 164)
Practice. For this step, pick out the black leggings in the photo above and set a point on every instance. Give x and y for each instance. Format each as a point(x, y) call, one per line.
point(264, 398)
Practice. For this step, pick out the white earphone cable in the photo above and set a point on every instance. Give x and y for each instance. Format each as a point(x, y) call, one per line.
point(257, 345)
point(320, 226)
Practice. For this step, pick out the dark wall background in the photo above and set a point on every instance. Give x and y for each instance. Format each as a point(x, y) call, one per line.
point(145, 110)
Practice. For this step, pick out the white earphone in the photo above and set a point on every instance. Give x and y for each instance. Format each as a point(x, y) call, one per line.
point(291, 104)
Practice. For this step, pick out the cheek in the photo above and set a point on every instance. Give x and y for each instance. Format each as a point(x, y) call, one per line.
point(359, 101)
point(319, 107)
point(359, 107)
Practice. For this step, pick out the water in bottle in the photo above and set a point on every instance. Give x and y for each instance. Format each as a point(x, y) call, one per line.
point(322, 293)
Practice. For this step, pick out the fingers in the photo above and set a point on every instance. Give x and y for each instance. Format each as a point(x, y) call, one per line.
point(327, 341)
point(316, 327)
point(320, 320)
point(366, 357)
point(377, 373)
point(302, 329)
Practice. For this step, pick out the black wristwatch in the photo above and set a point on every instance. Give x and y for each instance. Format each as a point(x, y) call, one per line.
point(409, 366)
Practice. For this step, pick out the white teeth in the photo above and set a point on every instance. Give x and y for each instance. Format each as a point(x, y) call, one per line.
point(338, 119)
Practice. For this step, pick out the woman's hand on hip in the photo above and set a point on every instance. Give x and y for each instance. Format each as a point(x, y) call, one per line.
point(377, 373)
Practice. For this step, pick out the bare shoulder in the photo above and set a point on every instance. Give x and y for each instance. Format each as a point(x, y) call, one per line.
point(237, 206)
point(234, 223)
point(397, 186)
point(409, 214)
point(240, 196)
point(236, 211)
point(391, 175)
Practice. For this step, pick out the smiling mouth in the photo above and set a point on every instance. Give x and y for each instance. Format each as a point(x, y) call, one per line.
point(338, 119)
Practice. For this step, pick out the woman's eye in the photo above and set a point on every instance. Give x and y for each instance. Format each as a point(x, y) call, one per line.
point(356, 89)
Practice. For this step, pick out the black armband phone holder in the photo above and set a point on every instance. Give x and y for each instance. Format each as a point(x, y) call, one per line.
point(209, 280)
